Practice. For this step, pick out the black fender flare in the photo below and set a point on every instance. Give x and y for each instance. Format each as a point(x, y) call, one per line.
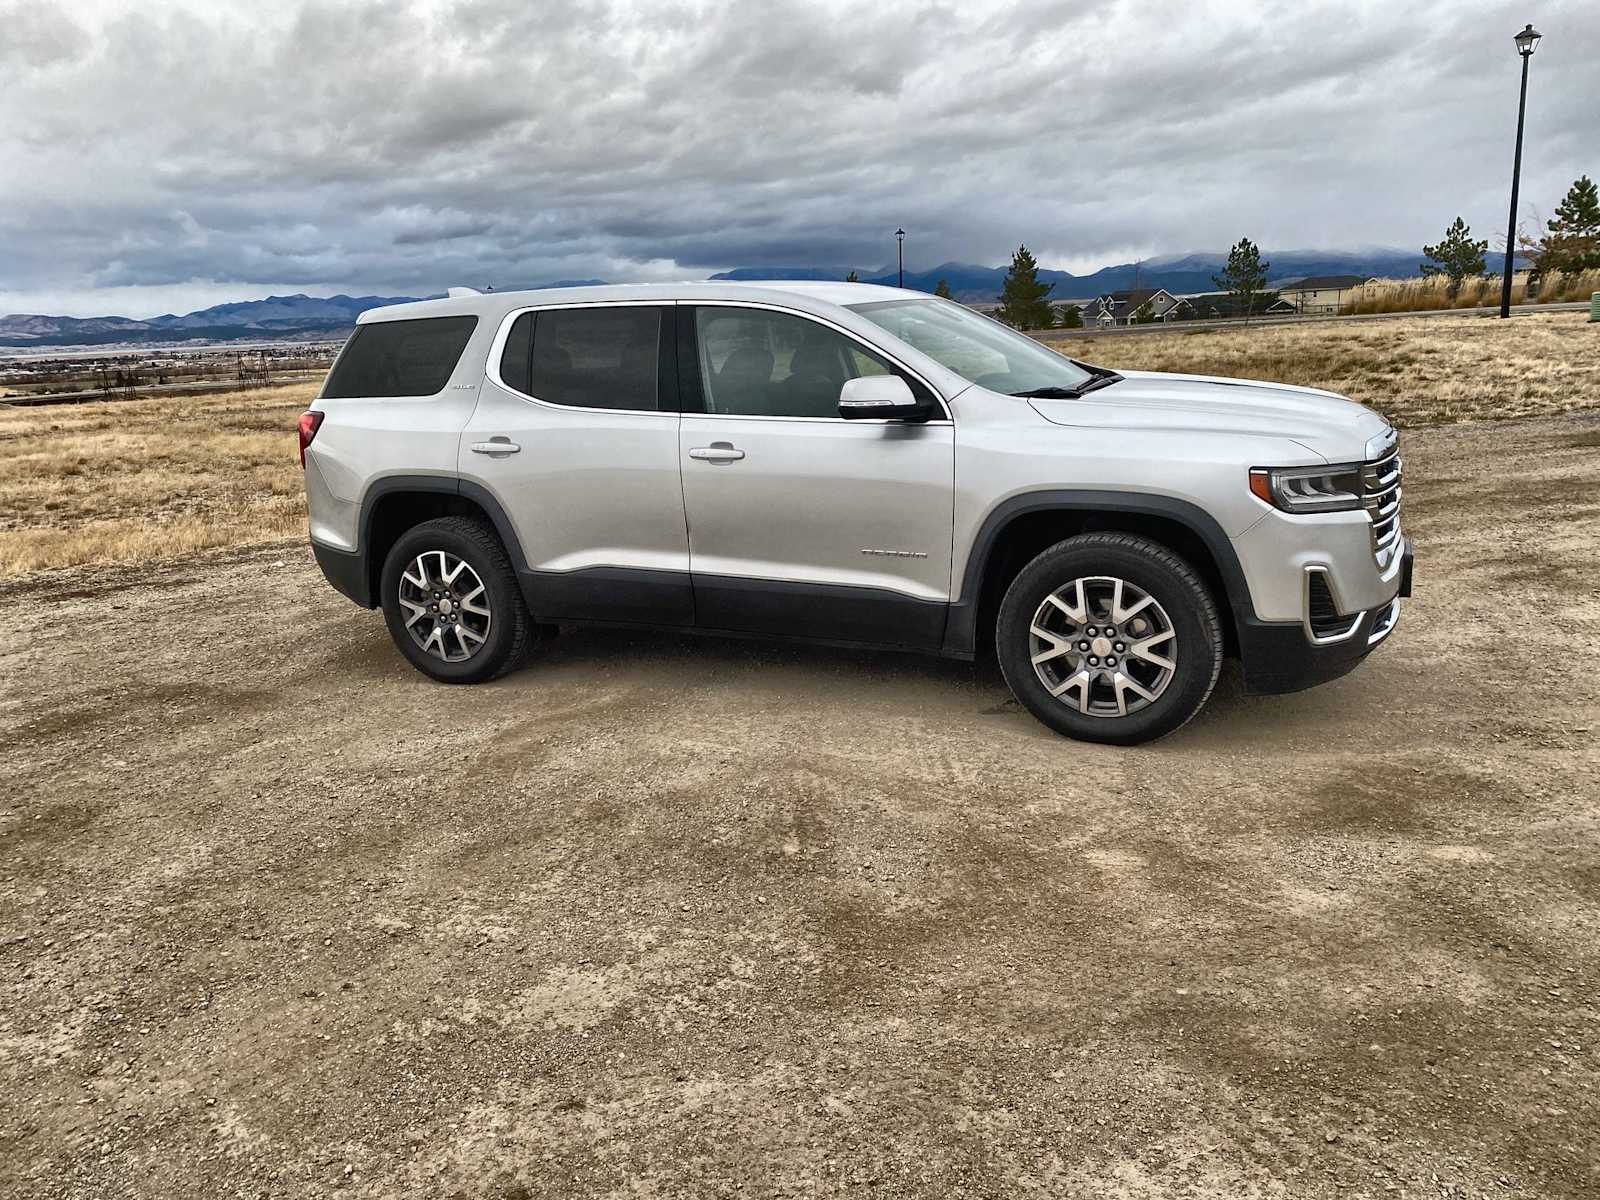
point(444, 485)
point(961, 627)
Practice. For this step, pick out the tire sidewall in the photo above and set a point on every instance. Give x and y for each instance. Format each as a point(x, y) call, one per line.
point(498, 583)
point(1194, 620)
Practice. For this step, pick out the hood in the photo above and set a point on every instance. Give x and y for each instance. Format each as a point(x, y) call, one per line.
point(1323, 422)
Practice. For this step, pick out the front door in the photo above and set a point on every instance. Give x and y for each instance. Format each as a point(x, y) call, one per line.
point(576, 436)
point(802, 523)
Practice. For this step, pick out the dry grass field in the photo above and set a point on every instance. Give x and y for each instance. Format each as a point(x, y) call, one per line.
point(1418, 295)
point(130, 481)
point(135, 481)
point(1416, 371)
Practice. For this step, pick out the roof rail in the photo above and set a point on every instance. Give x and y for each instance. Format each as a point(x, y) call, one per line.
point(457, 292)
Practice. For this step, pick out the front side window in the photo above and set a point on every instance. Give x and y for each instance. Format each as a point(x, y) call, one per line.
point(974, 347)
point(595, 357)
point(399, 358)
point(759, 363)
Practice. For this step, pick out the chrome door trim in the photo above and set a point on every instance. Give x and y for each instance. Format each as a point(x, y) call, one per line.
point(491, 366)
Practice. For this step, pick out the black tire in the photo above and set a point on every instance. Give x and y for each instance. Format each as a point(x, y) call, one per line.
point(511, 632)
point(1187, 605)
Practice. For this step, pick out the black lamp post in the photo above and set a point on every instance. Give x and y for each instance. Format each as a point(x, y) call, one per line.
point(1526, 41)
point(900, 247)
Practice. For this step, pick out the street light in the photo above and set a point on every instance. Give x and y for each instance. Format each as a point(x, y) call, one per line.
point(1526, 41)
point(900, 247)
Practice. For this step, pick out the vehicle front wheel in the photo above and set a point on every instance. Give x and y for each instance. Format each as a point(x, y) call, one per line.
point(1108, 637)
point(451, 601)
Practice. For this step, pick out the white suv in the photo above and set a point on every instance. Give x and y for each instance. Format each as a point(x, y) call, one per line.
point(850, 464)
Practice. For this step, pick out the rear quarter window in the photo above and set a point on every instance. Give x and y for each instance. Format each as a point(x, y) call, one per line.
point(400, 358)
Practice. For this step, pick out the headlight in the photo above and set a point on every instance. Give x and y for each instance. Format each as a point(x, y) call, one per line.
point(1309, 489)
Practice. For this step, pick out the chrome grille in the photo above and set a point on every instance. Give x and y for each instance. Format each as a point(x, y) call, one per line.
point(1380, 492)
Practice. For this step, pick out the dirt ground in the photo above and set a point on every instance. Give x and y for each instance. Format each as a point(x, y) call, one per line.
point(679, 917)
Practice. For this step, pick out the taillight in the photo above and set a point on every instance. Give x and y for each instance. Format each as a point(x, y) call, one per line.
point(310, 422)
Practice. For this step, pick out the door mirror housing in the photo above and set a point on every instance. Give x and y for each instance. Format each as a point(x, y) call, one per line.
point(880, 398)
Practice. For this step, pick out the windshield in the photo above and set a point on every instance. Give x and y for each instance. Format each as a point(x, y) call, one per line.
point(973, 346)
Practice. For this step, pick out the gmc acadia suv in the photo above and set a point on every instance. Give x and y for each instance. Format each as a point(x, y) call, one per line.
point(850, 464)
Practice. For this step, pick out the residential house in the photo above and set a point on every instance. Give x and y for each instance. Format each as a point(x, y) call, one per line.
point(1119, 308)
point(1321, 295)
point(1090, 310)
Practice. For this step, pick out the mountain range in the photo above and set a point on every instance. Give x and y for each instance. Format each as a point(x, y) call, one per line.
point(326, 318)
point(1178, 273)
point(287, 317)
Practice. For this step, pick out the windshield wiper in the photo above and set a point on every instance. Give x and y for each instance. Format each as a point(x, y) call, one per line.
point(1050, 393)
point(1102, 378)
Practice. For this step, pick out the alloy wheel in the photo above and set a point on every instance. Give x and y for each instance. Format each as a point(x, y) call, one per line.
point(446, 606)
point(1103, 646)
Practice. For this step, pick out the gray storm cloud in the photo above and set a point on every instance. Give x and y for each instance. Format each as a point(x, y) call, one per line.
point(164, 150)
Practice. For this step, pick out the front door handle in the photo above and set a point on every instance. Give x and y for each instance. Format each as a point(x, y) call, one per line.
point(496, 446)
point(717, 452)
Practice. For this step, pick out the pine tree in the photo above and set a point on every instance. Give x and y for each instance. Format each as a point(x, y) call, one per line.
point(1245, 276)
point(1145, 314)
point(1022, 297)
point(1573, 241)
point(1456, 256)
point(852, 278)
point(1071, 316)
point(942, 289)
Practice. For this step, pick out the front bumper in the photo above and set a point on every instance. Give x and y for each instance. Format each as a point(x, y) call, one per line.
point(1278, 657)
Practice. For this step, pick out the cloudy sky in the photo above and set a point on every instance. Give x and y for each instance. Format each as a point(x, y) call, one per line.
point(162, 156)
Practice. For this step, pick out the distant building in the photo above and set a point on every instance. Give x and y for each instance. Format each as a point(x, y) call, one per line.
point(1321, 295)
point(1090, 310)
point(1119, 308)
point(1222, 306)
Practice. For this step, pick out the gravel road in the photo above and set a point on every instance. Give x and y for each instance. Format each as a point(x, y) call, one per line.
point(666, 916)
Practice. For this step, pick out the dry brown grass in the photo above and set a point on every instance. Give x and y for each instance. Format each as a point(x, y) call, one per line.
point(1431, 294)
point(115, 482)
point(130, 481)
point(1416, 371)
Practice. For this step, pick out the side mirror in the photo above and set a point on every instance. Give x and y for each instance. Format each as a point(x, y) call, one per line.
point(879, 398)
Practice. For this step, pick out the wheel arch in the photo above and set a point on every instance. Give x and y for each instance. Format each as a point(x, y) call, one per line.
point(1021, 526)
point(397, 503)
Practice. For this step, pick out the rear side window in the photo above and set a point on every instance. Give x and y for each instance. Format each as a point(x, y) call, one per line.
point(400, 358)
point(515, 358)
point(596, 357)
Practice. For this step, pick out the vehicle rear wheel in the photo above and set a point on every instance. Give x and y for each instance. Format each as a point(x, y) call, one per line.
point(452, 604)
point(1108, 637)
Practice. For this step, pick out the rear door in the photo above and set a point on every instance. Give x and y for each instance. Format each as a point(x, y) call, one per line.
point(576, 435)
point(802, 523)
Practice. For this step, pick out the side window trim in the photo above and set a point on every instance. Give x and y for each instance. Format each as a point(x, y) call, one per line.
point(667, 390)
point(692, 388)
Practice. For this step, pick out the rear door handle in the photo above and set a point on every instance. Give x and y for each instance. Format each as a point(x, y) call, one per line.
point(496, 447)
point(717, 452)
